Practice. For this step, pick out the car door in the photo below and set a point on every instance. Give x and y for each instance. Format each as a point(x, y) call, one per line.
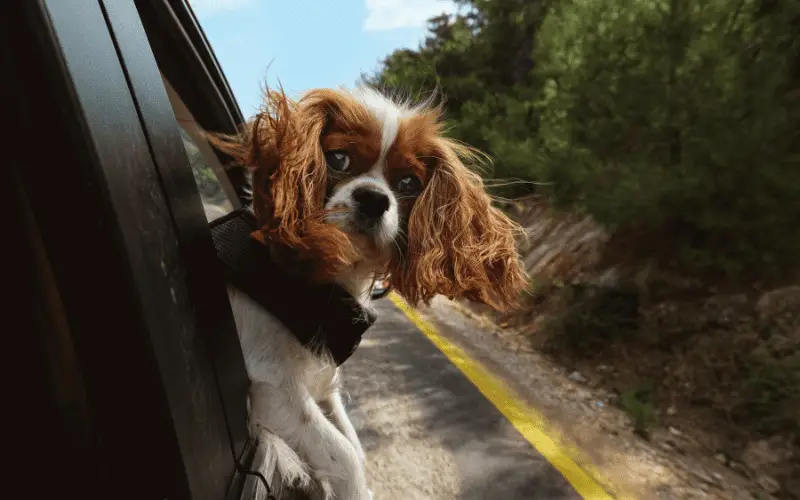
point(134, 384)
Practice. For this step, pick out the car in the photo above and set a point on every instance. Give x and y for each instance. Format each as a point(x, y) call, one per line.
point(132, 383)
point(381, 287)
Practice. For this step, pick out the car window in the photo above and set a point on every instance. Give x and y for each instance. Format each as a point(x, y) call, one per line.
point(215, 202)
point(216, 191)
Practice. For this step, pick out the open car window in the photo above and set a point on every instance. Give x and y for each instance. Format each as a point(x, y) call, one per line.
point(216, 191)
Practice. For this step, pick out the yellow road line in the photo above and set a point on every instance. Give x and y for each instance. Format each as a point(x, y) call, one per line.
point(527, 420)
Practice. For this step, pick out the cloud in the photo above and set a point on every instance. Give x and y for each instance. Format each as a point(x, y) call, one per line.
point(214, 6)
point(393, 14)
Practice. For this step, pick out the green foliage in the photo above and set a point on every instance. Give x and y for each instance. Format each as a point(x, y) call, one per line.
point(770, 392)
point(482, 61)
point(592, 318)
point(639, 406)
point(678, 117)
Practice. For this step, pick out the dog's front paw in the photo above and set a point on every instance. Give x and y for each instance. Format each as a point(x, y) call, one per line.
point(325, 490)
point(362, 491)
point(363, 494)
point(346, 478)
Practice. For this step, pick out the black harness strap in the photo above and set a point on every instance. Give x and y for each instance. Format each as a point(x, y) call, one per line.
point(322, 317)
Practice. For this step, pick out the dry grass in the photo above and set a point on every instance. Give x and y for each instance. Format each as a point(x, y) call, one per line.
point(728, 373)
point(725, 367)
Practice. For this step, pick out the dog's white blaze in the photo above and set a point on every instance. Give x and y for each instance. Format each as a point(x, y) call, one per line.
point(388, 113)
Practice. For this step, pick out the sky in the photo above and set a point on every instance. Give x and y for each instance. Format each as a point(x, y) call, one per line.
point(306, 44)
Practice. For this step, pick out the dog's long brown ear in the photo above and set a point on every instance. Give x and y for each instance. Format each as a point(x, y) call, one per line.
point(459, 245)
point(281, 146)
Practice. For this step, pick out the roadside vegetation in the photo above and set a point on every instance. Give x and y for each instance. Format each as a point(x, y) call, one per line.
point(656, 148)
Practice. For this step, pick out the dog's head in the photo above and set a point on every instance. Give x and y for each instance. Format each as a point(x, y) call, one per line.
point(354, 179)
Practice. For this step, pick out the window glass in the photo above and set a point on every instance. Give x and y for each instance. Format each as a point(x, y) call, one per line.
point(218, 196)
point(215, 201)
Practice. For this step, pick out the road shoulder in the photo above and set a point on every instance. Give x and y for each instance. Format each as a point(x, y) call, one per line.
point(585, 416)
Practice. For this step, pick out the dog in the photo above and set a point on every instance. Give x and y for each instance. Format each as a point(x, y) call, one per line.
point(349, 186)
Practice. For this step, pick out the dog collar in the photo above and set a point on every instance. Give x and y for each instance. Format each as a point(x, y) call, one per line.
point(321, 317)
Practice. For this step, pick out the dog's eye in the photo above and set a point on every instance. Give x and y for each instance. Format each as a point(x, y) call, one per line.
point(409, 185)
point(338, 160)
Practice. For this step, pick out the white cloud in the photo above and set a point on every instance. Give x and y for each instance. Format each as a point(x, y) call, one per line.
point(393, 14)
point(212, 6)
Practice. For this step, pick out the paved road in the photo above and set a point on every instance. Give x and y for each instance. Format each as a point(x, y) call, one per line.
point(428, 432)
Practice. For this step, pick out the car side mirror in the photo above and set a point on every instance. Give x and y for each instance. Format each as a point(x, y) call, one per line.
point(381, 289)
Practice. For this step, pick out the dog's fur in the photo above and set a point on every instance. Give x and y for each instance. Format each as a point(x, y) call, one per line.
point(433, 228)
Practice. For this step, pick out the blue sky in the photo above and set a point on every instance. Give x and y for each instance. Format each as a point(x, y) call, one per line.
point(308, 43)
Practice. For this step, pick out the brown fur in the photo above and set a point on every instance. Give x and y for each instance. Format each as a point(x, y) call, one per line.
point(281, 146)
point(459, 245)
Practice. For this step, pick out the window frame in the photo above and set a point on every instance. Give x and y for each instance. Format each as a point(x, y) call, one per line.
point(124, 233)
point(189, 64)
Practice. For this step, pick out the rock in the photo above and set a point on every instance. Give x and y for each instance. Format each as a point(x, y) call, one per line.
point(609, 279)
point(577, 377)
point(783, 345)
point(703, 476)
point(604, 368)
point(671, 410)
point(718, 478)
point(759, 455)
point(768, 484)
point(673, 445)
point(675, 432)
point(777, 301)
point(721, 458)
point(792, 487)
point(782, 447)
point(739, 467)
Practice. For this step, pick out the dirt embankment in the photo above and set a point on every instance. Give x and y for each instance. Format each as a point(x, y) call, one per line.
point(716, 376)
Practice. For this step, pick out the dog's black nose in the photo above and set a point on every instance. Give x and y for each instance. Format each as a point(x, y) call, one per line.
point(371, 202)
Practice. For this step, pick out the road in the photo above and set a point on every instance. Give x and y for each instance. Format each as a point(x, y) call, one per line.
point(427, 430)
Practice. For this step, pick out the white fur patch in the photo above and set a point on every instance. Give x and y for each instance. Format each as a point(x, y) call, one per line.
point(389, 114)
point(387, 111)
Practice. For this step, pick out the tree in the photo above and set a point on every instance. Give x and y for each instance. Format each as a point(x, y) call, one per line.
point(674, 123)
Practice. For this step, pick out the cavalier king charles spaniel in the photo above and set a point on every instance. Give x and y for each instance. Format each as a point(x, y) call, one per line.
point(349, 186)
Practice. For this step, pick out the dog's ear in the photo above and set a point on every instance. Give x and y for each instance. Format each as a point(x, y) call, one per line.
point(281, 147)
point(459, 244)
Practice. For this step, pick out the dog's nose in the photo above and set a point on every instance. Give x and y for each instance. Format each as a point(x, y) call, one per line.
point(371, 202)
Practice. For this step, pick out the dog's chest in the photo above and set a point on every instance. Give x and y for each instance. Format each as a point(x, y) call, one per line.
point(273, 355)
point(321, 381)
